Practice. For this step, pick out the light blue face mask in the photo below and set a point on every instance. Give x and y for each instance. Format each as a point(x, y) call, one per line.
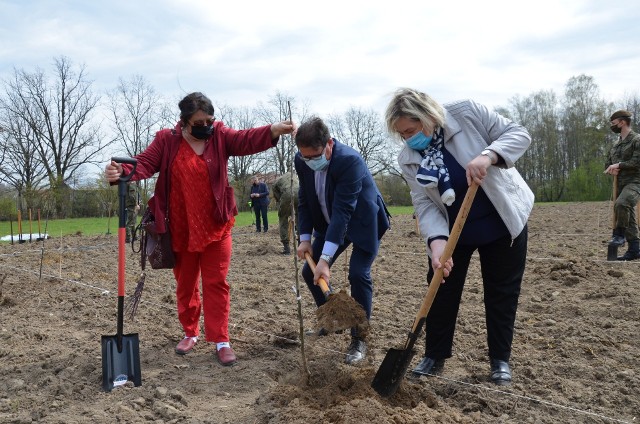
point(419, 141)
point(318, 164)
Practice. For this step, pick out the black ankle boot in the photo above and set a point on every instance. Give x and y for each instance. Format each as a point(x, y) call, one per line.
point(633, 253)
point(618, 237)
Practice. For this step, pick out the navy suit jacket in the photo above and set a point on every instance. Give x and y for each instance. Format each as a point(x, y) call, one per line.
point(263, 191)
point(355, 206)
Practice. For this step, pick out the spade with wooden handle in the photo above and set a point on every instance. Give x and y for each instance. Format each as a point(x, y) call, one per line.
point(395, 363)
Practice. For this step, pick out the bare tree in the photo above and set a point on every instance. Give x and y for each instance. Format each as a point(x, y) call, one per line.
point(631, 102)
point(58, 112)
point(543, 165)
point(276, 109)
point(583, 115)
point(364, 131)
point(240, 118)
point(136, 114)
point(20, 165)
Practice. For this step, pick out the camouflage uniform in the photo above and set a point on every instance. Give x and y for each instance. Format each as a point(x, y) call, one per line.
point(281, 191)
point(627, 153)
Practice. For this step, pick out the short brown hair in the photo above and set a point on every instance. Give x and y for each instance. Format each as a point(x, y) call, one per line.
point(312, 133)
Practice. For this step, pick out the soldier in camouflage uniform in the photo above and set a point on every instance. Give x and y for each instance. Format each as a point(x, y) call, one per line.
point(624, 161)
point(281, 191)
point(132, 207)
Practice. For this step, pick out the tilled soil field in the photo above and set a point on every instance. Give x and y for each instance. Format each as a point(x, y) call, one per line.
point(575, 354)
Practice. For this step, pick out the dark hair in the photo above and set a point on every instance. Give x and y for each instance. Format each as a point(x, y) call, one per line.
point(193, 103)
point(312, 133)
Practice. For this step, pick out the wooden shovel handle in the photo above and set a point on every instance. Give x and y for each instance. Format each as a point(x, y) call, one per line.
point(321, 282)
point(446, 255)
point(615, 196)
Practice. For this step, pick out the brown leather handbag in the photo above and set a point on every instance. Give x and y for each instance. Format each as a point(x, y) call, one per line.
point(157, 246)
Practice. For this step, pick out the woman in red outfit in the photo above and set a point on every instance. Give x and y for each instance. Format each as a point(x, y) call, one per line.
point(193, 199)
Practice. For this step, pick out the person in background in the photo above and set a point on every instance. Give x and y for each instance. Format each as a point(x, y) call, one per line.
point(340, 205)
point(444, 150)
point(260, 202)
point(623, 160)
point(194, 201)
point(133, 207)
point(282, 193)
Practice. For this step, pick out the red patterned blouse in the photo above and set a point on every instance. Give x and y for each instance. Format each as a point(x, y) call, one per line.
point(191, 204)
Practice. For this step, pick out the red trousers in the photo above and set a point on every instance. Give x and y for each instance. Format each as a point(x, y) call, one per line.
point(213, 266)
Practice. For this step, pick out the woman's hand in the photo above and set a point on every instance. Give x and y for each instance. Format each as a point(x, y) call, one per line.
point(477, 169)
point(113, 171)
point(280, 128)
point(437, 250)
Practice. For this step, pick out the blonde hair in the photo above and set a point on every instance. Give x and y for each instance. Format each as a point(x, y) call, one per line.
point(413, 104)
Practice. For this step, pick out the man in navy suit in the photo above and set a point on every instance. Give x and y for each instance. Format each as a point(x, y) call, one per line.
point(260, 202)
point(340, 204)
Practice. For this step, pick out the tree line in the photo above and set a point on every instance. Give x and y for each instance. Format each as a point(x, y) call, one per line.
point(54, 127)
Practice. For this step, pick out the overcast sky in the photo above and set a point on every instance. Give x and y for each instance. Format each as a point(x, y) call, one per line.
point(332, 54)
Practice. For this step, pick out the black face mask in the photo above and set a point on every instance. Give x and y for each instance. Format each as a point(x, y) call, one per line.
point(616, 129)
point(202, 132)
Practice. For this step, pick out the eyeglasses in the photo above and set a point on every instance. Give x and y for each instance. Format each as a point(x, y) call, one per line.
point(201, 123)
point(308, 158)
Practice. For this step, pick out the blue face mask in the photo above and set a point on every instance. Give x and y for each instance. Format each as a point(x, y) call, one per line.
point(419, 141)
point(319, 163)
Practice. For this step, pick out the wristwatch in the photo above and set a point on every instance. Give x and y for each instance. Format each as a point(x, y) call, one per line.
point(326, 258)
point(490, 154)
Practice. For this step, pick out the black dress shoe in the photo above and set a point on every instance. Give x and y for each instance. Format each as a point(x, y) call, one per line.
point(500, 372)
point(428, 366)
point(357, 351)
point(320, 333)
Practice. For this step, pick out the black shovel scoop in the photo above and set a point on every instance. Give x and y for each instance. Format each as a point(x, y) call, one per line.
point(396, 361)
point(121, 353)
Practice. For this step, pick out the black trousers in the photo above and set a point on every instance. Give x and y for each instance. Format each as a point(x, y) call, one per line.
point(502, 264)
point(261, 212)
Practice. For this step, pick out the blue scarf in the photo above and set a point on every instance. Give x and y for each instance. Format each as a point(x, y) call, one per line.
point(433, 172)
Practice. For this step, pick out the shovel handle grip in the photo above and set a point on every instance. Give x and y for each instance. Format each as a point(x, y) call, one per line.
point(321, 282)
point(130, 161)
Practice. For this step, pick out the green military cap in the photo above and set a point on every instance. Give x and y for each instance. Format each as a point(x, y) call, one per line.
point(620, 114)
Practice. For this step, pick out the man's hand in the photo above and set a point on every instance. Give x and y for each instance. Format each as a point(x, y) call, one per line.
point(613, 169)
point(304, 247)
point(322, 271)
